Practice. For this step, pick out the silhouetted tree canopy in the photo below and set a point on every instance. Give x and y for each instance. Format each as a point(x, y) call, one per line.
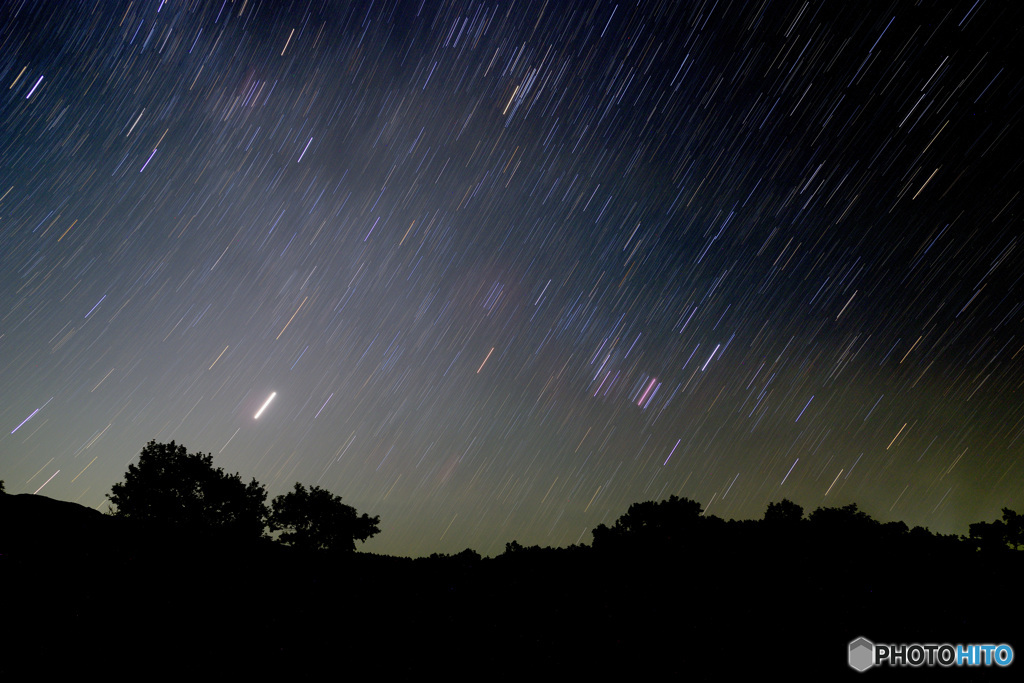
point(1002, 534)
point(783, 512)
point(466, 558)
point(316, 519)
point(2, 486)
point(514, 546)
point(184, 491)
point(1014, 523)
point(839, 519)
point(649, 523)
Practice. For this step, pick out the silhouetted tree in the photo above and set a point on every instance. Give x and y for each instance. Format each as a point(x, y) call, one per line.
point(184, 492)
point(783, 512)
point(842, 519)
point(1001, 534)
point(651, 524)
point(1014, 523)
point(516, 548)
point(316, 519)
point(988, 536)
point(893, 531)
point(513, 546)
point(2, 486)
point(466, 558)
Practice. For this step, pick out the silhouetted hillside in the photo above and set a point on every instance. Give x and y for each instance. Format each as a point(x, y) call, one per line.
point(695, 598)
point(31, 524)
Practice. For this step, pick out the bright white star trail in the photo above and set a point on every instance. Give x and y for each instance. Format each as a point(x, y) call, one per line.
point(264, 406)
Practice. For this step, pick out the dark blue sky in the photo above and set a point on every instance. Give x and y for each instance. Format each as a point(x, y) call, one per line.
point(512, 266)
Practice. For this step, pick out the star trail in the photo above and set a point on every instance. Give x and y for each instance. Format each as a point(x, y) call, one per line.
point(505, 268)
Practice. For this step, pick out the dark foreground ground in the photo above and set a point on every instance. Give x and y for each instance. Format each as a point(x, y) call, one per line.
point(82, 594)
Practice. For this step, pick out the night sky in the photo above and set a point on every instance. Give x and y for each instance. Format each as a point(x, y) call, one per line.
point(509, 267)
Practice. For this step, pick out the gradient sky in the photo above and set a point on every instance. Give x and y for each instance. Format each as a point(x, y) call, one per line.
point(512, 266)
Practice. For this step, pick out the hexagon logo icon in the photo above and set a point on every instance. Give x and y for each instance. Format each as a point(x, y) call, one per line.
point(862, 654)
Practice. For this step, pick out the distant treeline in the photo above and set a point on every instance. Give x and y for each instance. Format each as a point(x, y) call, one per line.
point(179, 493)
